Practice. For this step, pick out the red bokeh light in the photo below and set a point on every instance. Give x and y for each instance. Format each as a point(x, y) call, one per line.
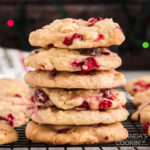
point(10, 23)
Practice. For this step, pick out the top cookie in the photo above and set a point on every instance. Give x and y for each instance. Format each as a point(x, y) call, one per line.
point(138, 85)
point(77, 33)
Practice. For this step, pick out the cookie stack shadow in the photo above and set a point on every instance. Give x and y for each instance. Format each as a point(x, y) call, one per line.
point(71, 95)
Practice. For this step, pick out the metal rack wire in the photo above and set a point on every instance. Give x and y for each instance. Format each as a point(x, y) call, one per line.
point(136, 137)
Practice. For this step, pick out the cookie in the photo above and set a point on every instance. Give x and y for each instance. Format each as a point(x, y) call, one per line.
point(138, 85)
point(13, 102)
point(69, 80)
point(77, 33)
point(51, 115)
point(76, 99)
point(12, 87)
point(13, 114)
point(73, 60)
point(143, 113)
point(75, 135)
point(7, 133)
point(142, 97)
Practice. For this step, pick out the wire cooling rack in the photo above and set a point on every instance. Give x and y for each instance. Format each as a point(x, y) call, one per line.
point(136, 137)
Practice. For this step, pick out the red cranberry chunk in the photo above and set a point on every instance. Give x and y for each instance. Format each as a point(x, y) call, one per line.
point(145, 127)
point(32, 99)
point(94, 20)
point(9, 119)
point(99, 37)
point(135, 90)
point(87, 64)
point(140, 83)
point(64, 130)
point(106, 138)
point(69, 40)
point(105, 53)
point(50, 45)
point(84, 105)
point(53, 73)
point(40, 96)
point(36, 51)
point(106, 93)
point(17, 95)
point(124, 106)
point(143, 86)
point(105, 104)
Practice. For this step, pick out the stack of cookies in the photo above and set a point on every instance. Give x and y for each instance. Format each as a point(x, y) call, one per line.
point(140, 89)
point(71, 95)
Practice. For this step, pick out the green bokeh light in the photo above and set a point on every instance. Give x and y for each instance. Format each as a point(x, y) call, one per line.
point(145, 44)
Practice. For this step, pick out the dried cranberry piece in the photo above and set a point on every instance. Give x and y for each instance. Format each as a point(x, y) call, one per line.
point(105, 104)
point(105, 53)
point(63, 130)
point(84, 105)
point(87, 64)
point(40, 96)
point(32, 99)
point(143, 85)
point(140, 83)
point(99, 37)
point(135, 90)
point(106, 138)
point(53, 73)
point(50, 46)
point(17, 95)
point(32, 108)
point(92, 21)
point(106, 93)
point(9, 119)
point(69, 40)
point(124, 106)
point(145, 127)
point(36, 51)
point(1, 118)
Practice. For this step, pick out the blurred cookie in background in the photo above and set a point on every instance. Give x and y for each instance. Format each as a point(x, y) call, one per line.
point(12, 102)
point(7, 133)
point(138, 85)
